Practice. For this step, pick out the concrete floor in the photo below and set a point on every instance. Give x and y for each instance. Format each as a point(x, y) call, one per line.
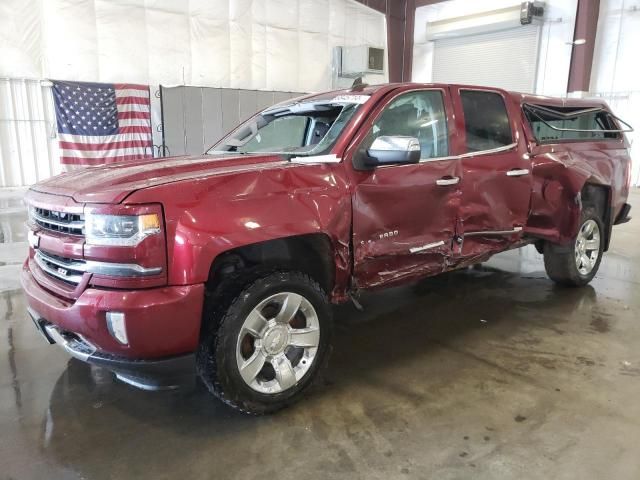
point(487, 373)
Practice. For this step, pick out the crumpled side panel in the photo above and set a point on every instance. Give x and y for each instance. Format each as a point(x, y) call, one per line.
point(558, 178)
point(211, 215)
point(403, 222)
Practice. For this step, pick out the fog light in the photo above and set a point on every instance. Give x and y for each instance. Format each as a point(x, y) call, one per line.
point(116, 326)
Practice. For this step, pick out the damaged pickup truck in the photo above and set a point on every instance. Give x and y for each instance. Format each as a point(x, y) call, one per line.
point(226, 264)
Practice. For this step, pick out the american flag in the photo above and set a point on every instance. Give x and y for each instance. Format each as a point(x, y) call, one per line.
point(102, 122)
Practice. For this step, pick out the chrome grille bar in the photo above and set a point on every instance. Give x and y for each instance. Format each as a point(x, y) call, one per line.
point(58, 221)
point(57, 269)
point(72, 270)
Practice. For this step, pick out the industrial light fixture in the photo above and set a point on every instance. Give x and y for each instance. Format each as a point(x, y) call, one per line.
point(529, 10)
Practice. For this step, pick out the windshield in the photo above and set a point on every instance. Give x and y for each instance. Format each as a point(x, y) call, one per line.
point(302, 128)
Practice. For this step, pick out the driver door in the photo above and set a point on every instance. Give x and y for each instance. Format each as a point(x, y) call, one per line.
point(404, 216)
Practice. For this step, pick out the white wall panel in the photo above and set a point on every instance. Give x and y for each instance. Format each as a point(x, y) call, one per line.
point(555, 48)
point(169, 57)
point(616, 66)
point(210, 44)
point(240, 36)
point(616, 71)
point(314, 16)
point(218, 43)
point(122, 42)
point(251, 44)
point(20, 38)
point(282, 68)
point(259, 56)
point(28, 147)
point(71, 46)
point(281, 14)
point(338, 18)
point(315, 74)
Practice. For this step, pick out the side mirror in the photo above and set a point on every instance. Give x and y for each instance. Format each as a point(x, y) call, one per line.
point(392, 150)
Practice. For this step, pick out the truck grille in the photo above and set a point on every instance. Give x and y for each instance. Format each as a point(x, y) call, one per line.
point(56, 221)
point(65, 269)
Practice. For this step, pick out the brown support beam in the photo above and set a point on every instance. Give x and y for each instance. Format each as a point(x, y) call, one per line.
point(407, 52)
point(401, 15)
point(400, 20)
point(582, 53)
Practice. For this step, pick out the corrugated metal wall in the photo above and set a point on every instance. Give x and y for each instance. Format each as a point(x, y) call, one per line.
point(28, 144)
point(194, 118)
point(505, 58)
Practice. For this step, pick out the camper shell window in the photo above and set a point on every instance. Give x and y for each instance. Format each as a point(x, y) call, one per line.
point(558, 124)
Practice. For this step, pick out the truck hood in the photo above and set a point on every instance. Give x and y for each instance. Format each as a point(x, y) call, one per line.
point(113, 183)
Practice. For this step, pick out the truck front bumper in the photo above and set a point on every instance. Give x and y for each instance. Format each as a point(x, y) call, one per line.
point(162, 325)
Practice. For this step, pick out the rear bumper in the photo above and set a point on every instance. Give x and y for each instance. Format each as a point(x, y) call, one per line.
point(162, 325)
point(623, 216)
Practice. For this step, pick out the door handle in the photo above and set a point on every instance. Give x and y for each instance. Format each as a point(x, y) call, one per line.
point(447, 181)
point(518, 172)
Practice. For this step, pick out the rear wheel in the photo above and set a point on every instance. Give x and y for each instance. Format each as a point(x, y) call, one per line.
point(577, 264)
point(269, 345)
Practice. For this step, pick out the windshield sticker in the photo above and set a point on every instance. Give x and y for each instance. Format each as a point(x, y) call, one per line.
point(351, 98)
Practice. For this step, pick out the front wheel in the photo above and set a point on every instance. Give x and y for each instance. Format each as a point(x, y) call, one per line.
point(577, 264)
point(269, 345)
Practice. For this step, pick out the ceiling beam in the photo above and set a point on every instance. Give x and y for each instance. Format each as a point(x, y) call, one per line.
point(424, 3)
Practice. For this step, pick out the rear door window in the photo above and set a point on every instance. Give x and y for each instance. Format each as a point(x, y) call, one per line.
point(486, 120)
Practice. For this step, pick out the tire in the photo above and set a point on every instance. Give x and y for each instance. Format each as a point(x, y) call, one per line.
point(247, 357)
point(566, 265)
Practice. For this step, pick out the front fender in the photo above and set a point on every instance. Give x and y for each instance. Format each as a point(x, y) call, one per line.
point(210, 216)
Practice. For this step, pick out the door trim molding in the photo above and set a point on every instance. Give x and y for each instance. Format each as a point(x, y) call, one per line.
point(428, 246)
point(492, 232)
point(478, 153)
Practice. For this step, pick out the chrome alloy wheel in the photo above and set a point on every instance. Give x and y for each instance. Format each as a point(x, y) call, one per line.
point(278, 343)
point(587, 248)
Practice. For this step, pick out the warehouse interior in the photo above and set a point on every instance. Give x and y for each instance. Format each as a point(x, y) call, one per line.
point(487, 372)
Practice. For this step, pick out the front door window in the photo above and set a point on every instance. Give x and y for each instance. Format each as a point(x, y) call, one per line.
point(416, 114)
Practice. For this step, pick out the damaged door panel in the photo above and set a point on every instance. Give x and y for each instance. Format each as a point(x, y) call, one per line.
point(397, 232)
point(496, 190)
point(404, 216)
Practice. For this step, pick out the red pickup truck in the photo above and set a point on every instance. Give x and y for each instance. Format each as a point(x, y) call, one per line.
point(225, 264)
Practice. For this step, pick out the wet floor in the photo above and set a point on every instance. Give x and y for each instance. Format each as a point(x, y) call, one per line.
point(487, 373)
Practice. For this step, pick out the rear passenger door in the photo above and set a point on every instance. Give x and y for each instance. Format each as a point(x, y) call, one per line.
point(496, 172)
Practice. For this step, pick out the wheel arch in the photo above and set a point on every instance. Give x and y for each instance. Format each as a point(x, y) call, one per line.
point(231, 270)
point(311, 253)
point(598, 194)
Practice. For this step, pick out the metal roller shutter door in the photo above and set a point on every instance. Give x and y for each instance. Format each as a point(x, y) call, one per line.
point(505, 59)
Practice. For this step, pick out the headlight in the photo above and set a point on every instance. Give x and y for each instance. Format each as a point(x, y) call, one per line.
point(122, 230)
